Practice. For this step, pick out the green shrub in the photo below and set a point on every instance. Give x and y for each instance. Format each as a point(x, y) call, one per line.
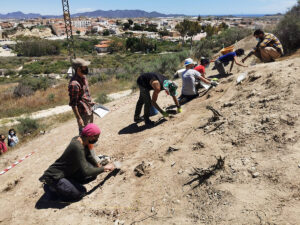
point(29, 85)
point(98, 78)
point(11, 73)
point(37, 83)
point(37, 47)
point(23, 90)
point(288, 29)
point(27, 126)
point(102, 98)
point(142, 44)
point(45, 67)
point(51, 97)
point(124, 76)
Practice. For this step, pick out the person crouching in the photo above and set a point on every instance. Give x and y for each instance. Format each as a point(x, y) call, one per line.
point(76, 166)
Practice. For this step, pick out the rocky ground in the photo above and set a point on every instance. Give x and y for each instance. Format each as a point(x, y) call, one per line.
point(254, 129)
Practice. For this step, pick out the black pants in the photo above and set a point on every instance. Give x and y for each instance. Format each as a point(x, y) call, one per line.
point(186, 98)
point(145, 100)
point(69, 189)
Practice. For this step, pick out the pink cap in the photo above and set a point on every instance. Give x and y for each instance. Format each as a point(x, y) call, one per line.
point(91, 130)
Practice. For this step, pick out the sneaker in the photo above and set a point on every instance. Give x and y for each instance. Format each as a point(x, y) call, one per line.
point(138, 119)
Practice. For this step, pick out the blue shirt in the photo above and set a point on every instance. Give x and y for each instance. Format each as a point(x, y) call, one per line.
point(228, 57)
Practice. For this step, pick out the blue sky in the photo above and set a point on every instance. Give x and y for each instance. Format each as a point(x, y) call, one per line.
point(191, 7)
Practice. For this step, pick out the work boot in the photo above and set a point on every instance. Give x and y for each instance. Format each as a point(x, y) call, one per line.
point(149, 122)
point(138, 119)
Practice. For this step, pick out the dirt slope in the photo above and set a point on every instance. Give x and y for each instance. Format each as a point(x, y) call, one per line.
point(258, 134)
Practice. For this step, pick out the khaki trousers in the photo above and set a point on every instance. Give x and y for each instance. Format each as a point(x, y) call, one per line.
point(268, 54)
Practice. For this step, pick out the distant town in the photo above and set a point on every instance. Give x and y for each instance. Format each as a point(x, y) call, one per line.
point(163, 28)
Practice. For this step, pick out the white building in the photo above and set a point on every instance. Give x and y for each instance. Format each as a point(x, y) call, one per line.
point(81, 23)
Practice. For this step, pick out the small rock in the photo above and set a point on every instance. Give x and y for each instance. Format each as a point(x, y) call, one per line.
point(140, 170)
point(173, 164)
point(228, 104)
point(171, 149)
point(255, 175)
point(298, 165)
point(180, 171)
point(152, 209)
point(119, 222)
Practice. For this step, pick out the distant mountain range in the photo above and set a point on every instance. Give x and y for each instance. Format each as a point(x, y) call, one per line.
point(97, 13)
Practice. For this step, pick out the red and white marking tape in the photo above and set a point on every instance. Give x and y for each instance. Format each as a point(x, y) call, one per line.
point(16, 163)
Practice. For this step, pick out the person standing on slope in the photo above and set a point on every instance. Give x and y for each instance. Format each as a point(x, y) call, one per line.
point(80, 97)
point(157, 83)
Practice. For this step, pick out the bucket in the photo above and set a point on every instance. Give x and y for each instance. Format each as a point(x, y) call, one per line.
point(226, 50)
point(153, 111)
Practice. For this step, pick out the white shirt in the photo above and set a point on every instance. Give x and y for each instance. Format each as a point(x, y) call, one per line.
point(188, 82)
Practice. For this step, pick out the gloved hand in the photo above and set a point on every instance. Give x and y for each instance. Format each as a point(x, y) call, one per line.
point(214, 83)
point(179, 110)
point(165, 114)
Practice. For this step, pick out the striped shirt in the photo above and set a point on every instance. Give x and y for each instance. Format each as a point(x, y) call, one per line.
point(80, 95)
point(270, 40)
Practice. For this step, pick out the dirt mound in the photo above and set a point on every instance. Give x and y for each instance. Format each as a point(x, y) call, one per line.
point(254, 126)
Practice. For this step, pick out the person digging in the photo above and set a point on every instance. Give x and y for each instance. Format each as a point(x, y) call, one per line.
point(75, 167)
point(157, 83)
point(268, 47)
point(189, 85)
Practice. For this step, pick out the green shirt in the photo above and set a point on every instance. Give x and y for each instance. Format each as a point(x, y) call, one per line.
point(76, 162)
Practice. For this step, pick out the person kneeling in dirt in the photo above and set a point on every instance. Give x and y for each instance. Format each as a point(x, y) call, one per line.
point(75, 167)
point(156, 82)
point(268, 47)
point(229, 57)
point(204, 63)
point(189, 76)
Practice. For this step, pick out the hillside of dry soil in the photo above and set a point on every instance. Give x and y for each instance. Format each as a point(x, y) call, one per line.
point(255, 128)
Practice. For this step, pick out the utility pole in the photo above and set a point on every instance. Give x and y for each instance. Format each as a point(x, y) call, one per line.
point(68, 26)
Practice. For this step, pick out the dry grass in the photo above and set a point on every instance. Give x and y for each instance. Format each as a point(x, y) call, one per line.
point(12, 106)
point(110, 86)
